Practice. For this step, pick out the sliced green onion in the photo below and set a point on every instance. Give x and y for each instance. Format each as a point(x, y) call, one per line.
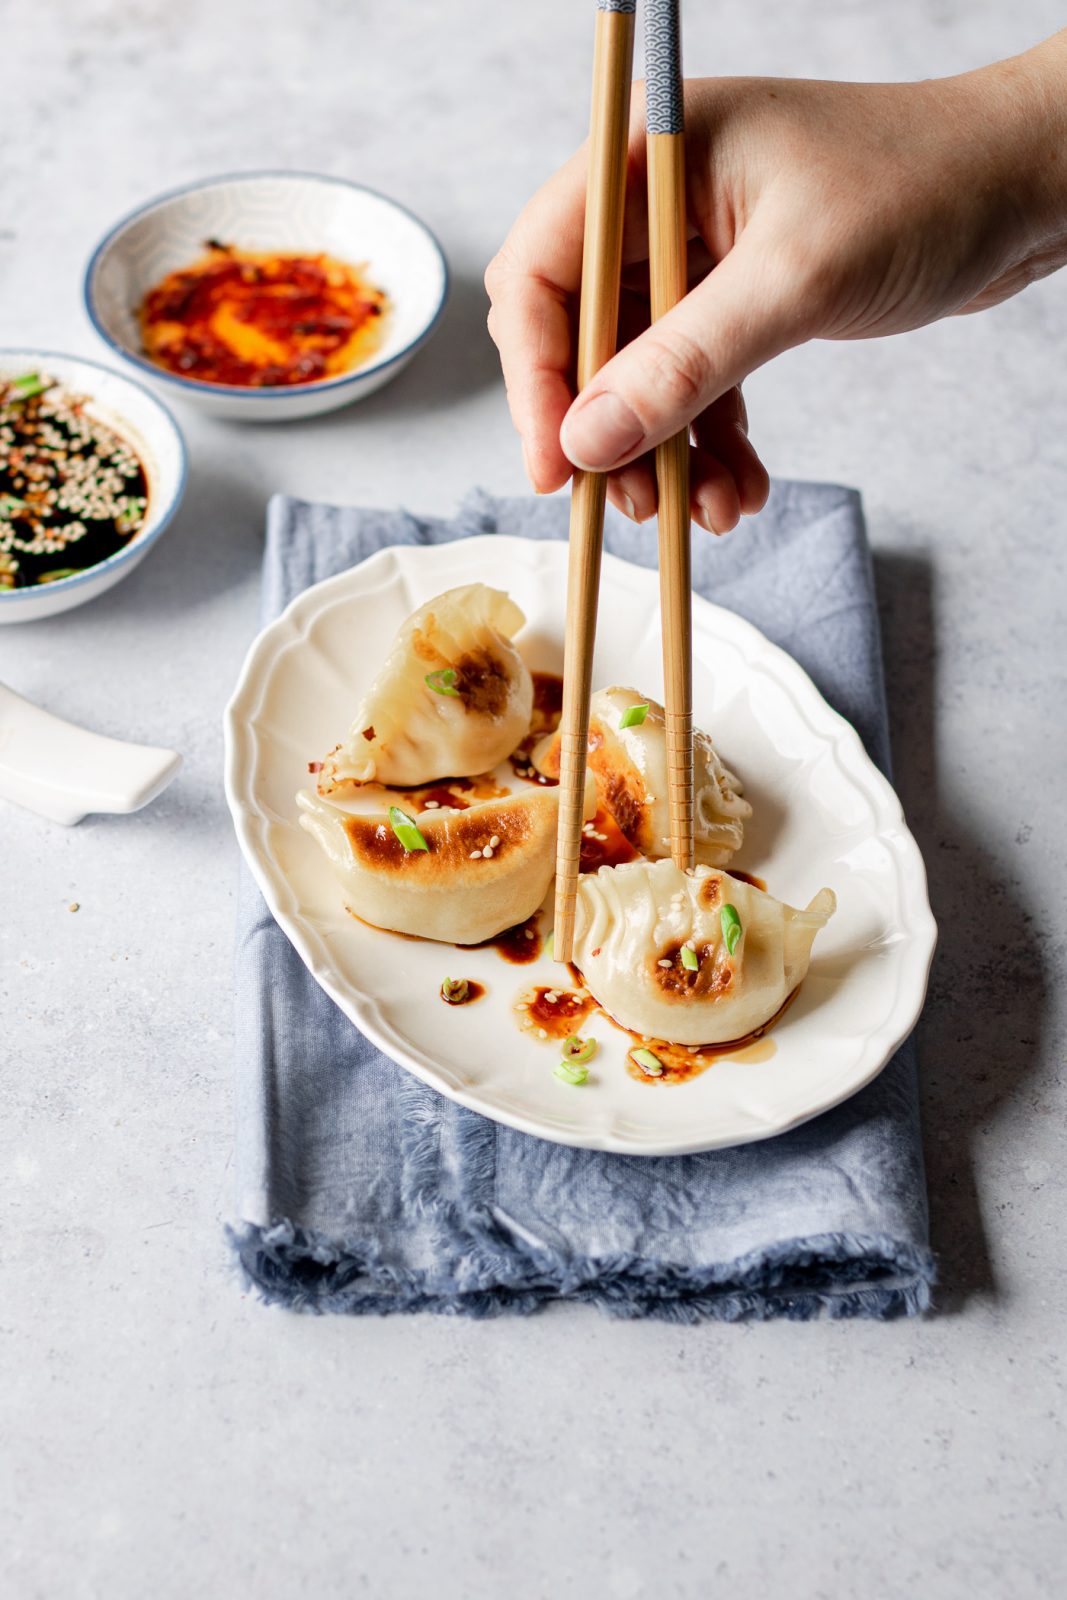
point(690, 959)
point(442, 682)
point(578, 1051)
point(650, 1065)
point(405, 830)
point(454, 991)
point(27, 386)
point(730, 923)
point(568, 1074)
point(57, 573)
point(9, 504)
point(633, 716)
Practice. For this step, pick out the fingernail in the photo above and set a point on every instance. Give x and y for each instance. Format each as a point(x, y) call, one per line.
point(704, 518)
point(529, 469)
point(598, 431)
point(628, 505)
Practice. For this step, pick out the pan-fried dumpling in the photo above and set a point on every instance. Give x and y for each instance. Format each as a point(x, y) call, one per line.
point(746, 951)
point(483, 870)
point(452, 698)
point(631, 772)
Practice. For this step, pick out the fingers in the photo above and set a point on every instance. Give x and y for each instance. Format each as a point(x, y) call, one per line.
point(633, 489)
point(727, 326)
point(531, 325)
point(721, 434)
point(533, 285)
point(727, 479)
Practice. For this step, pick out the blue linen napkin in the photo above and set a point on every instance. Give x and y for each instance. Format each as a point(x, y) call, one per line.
point(360, 1189)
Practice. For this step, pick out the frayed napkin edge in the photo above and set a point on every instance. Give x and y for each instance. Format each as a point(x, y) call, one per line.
point(306, 1271)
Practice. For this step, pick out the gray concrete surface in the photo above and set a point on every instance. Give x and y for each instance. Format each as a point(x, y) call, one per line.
point(162, 1434)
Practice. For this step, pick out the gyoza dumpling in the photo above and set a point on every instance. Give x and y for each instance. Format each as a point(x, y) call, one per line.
point(483, 870)
point(634, 922)
point(452, 698)
point(631, 772)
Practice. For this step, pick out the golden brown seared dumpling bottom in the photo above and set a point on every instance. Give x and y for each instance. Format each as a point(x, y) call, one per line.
point(631, 772)
point(464, 887)
point(407, 732)
point(633, 921)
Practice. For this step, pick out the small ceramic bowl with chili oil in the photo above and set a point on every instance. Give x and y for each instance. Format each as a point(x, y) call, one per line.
point(92, 469)
point(268, 295)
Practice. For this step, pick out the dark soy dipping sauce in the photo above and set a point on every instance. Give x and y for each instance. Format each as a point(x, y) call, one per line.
point(604, 844)
point(547, 701)
point(455, 794)
point(474, 992)
point(547, 709)
point(519, 945)
point(683, 1062)
point(746, 877)
point(73, 492)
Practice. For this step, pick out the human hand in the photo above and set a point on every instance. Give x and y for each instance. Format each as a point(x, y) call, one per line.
point(816, 210)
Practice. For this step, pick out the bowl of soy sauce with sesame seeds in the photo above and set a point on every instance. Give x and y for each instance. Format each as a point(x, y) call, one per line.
point(92, 469)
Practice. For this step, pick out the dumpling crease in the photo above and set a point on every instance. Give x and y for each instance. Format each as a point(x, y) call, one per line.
point(630, 765)
point(484, 869)
point(634, 922)
point(406, 731)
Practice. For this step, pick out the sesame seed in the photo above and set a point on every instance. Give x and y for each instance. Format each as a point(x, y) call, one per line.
point(495, 840)
point(551, 997)
point(665, 963)
point(475, 855)
point(487, 851)
point(542, 1033)
point(529, 933)
point(432, 805)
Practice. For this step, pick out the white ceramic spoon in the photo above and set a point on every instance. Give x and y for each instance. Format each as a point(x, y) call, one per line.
point(63, 772)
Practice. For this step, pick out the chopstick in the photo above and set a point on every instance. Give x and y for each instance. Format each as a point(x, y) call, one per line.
point(667, 232)
point(598, 320)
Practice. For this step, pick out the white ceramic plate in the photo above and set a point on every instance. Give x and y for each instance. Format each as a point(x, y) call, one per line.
point(823, 815)
point(271, 211)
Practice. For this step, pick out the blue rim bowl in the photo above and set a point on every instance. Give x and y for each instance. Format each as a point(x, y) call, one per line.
point(141, 543)
point(194, 386)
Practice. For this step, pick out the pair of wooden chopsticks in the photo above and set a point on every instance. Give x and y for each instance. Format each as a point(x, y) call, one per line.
point(597, 334)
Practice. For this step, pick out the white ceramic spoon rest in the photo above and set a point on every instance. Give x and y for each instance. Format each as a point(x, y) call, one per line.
point(63, 772)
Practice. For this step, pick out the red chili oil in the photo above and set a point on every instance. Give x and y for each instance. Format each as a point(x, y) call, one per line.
point(553, 1019)
point(255, 319)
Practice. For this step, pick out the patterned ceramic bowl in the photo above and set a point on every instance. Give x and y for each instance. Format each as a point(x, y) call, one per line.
point(143, 422)
point(271, 211)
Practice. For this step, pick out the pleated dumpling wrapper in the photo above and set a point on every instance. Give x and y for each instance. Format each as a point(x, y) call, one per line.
point(692, 957)
point(475, 873)
point(452, 698)
point(629, 759)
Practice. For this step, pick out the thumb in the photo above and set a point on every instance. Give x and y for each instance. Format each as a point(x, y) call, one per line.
point(730, 324)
